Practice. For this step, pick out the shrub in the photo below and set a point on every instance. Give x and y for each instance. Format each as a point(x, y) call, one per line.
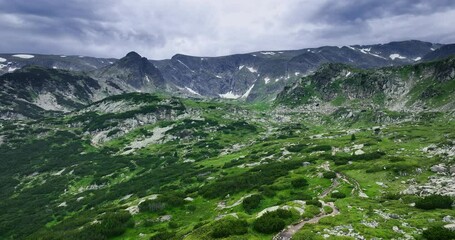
point(311, 211)
point(338, 195)
point(353, 138)
point(267, 191)
point(299, 182)
point(229, 226)
point(297, 148)
point(327, 209)
point(272, 222)
point(434, 201)
point(173, 225)
point(319, 148)
point(162, 236)
point(269, 225)
point(342, 160)
point(305, 235)
point(314, 202)
point(251, 202)
point(329, 175)
point(438, 233)
point(152, 206)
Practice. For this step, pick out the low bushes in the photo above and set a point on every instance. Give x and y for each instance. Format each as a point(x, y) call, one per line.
point(229, 226)
point(329, 175)
point(434, 201)
point(272, 222)
point(252, 202)
point(299, 182)
point(342, 160)
point(314, 202)
point(438, 233)
point(338, 195)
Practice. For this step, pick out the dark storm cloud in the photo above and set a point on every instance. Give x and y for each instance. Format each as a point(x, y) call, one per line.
point(159, 29)
point(54, 9)
point(361, 10)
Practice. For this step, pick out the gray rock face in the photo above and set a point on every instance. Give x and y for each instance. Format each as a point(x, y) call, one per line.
point(257, 76)
point(341, 85)
point(132, 73)
point(448, 219)
point(261, 75)
point(32, 90)
point(11, 62)
point(438, 184)
point(439, 168)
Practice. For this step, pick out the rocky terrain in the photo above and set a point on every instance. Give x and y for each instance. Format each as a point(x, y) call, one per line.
point(359, 151)
point(253, 77)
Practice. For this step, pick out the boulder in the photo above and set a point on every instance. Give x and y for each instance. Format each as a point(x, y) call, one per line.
point(451, 226)
point(439, 168)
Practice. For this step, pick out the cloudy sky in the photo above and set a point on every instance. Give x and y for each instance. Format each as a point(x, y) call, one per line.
point(159, 29)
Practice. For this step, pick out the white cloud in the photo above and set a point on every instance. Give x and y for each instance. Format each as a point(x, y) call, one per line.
point(159, 29)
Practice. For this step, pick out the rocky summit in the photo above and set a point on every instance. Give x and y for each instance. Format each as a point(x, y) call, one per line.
point(349, 142)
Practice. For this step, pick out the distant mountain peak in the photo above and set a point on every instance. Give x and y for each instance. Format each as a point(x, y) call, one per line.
point(133, 54)
point(135, 71)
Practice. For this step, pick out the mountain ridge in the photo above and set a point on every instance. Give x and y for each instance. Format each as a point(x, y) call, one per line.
point(251, 77)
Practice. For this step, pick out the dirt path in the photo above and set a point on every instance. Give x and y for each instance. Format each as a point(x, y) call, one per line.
point(356, 184)
point(288, 232)
point(335, 184)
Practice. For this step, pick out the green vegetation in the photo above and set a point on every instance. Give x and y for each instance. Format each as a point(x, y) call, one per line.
point(214, 168)
point(438, 233)
point(299, 183)
point(251, 203)
point(434, 201)
point(272, 222)
point(338, 195)
point(229, 226)
point(329, 175)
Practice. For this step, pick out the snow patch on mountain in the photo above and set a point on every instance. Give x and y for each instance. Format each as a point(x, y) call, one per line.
point(266, 80)
point(247, 93)
point(23, 56)
point(417, 59)
point(185, 65)
point(12, 69)
point(2, 60)
point(241, 67)
point(229, 95)
point(367, 51)
point(395, 56)
point(192, 91)
point(268, 53)
point(251, 69)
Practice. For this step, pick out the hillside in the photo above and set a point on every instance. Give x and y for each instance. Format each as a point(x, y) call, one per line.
point(421, 87)
point(156, 167)
point(143, 149)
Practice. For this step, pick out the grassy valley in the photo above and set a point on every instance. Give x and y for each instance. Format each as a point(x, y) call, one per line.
point(343, 153)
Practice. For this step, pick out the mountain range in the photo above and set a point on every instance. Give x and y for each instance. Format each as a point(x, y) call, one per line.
point(351, 142)
point(31, 84)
